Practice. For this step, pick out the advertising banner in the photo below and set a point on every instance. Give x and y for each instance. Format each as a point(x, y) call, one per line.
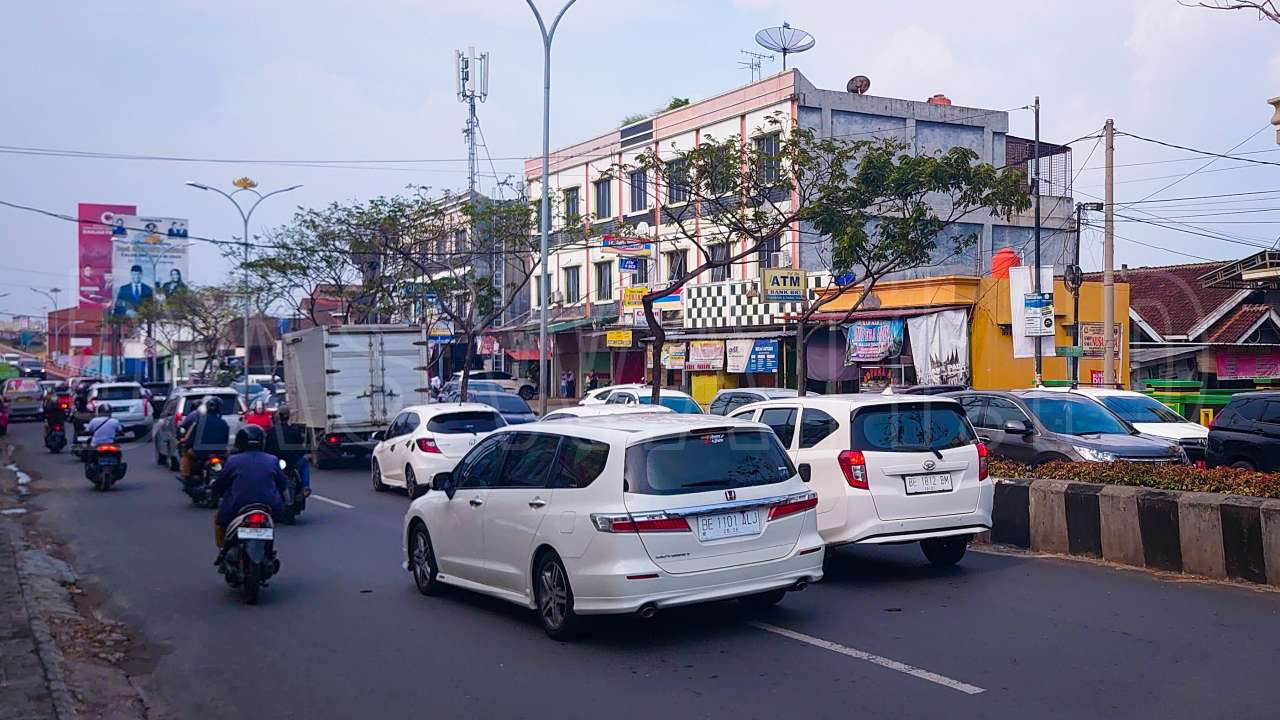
point(1037, 314)
point(751, 356)
point(1092, 339)
point(940, 347)
point(618, 339)
point(783, 285)
point(148, 260)
point(873, 340)
point(626, 246)
point(1247, 363)
point(705, 355)
point(673, 356)
point(1020, 284)
point(94, 269)
point(631, 297)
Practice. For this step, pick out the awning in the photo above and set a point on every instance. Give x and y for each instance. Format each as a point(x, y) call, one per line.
point(884, 314)
point(523, 354)
point(1143, 356)
point(580, 322)
point(768, 334)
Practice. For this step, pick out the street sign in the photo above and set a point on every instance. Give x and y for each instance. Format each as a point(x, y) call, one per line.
point(629, 264)
point(618, 339)
point(1068, 351)
point(631, 297)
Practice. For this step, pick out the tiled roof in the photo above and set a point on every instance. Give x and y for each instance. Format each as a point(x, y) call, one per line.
point(1236, 323)
point(1170, 298)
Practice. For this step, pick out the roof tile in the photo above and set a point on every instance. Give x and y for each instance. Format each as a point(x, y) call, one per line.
point(1171, 298)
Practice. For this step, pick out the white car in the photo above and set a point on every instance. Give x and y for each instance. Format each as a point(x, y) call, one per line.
point(425, 440)
point(129, 405)
point(598, 410)
point(600, 396)
point(1149, 417)
point(678, 401)
point(520, 386)
point(887, 468)
point(618, 514)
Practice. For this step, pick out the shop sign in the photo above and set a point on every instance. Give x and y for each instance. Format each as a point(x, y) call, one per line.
point(1092, 339)
point(673, 355)
point(631, 297)
point(618, 339)
point(626, 246)
point(873, 340)
point(1248, 363)
point(751, 356)
point(783, 285)
point(705, 355)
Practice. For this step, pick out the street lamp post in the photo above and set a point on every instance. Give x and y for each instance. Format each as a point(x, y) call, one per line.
point(244, 185)
point(52, 294)
point(544, 284)
point(1275, 118)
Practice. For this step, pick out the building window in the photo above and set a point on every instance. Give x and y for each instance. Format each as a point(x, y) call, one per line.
point(642, 272)
point(767, 250)
point(677, 181)
point(639, 190)
point(720, 254)
point(571, 292)
point(604, 198)
point(604, 280)
point(768, 160)
point(721, 169)
point(572, 212)
point(677, 262)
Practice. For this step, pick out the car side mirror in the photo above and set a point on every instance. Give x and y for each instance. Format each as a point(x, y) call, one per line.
point(378, 436)
point(444, 483)
point(1016, 427)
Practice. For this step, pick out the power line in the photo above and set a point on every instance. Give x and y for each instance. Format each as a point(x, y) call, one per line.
point(1203, 152)
point(1206, 165)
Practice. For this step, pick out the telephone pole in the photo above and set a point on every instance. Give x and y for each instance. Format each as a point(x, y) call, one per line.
point(1108, 262)
point(1035, 266)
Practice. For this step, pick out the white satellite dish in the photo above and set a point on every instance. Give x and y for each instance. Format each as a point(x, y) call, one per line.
point(785, 40)
point(642, 229)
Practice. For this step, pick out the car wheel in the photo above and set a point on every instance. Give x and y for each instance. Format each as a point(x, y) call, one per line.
point(762, 601)
point(526, 393)
point(411, 483)
point(375, 472)
point(1243, 465)
point(422, 561)
point(945, 551)
point(555, 599)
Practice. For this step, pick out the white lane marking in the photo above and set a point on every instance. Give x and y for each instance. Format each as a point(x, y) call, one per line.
point(876, 659)
point(331, 501)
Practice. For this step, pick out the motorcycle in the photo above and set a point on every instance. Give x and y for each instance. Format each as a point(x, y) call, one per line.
point(294, 500)
point(248, 558)
point(55, 438)
point(105, 466)
point(82, 446)
point(199, 487)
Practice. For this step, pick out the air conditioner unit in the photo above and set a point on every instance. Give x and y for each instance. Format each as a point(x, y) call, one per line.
point(780, 259)
point(557, 297)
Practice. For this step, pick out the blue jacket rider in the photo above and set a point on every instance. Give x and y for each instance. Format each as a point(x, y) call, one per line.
point(250, 476)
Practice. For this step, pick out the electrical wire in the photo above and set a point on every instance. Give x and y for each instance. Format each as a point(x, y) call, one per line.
point(1206, 165)
point(1203, 152)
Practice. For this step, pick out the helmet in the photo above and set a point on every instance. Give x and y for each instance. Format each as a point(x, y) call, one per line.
point(213, 406)
point(282, 414)
point(250, 437)
point(259, 406)
point(104, 410)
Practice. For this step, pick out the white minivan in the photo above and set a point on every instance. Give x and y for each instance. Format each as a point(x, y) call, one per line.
point(887, 468)
point(618, 514)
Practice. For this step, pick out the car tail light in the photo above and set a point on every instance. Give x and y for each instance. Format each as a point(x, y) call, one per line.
point(982, 462)
point(427, 445)
point(854, 465)
point(257, 519)
point(107, 448)
point(639, 523)
point(331, 439)
point(793, 504)
point(92, 405)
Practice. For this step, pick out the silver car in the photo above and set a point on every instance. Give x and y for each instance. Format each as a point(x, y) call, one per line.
point(184, 402)
point(129, 405)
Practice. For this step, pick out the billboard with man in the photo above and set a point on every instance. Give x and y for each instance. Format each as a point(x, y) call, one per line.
point(148, 260)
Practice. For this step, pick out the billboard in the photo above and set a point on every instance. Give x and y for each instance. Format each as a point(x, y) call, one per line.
point(148, 260)
point(94, 271)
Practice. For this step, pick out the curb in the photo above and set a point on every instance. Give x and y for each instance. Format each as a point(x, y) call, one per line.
point(1212, 535)
point(64, 704)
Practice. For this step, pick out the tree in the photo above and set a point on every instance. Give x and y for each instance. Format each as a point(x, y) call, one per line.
point(1265, 8)
point(893, 211)
point(199, 318)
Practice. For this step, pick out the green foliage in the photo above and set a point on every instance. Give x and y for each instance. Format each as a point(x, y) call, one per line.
point(1160, 477)
point(676, 102)
point(633, 118)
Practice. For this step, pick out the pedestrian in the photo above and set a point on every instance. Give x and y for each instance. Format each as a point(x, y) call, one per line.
point(572, 384)
point(435, 387)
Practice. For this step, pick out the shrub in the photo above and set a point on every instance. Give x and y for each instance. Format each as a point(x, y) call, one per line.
point(1160, 477)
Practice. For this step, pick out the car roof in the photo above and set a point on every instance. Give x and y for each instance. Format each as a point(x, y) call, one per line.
point(632, 428)
point(116, 383)
point(769, 392)
point(665, 391)
point(208, 390)
point(850, 400)
point(1258, 394)
point(597, 410)
point(434, 409)
point(1094, 391)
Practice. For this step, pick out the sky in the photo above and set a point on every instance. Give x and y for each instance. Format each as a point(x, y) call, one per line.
point(329, 80)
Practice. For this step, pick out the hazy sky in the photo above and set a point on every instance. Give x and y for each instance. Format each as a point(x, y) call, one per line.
point(330, 80)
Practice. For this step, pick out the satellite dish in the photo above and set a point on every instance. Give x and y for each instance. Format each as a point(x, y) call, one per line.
point(642, 229)
point(785, 40)
point(858, 84)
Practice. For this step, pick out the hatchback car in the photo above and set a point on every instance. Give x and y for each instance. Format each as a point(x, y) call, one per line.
point(589, 411)
point(24, 398)
point(1039, 426)
point(520, 386)
point(425, 440)
point(129, 405)
point(622, 514)
point(887, 468)
point(512, 407)
point(674, 399)
point(1150, 417)
point(599, 396)
point(1246, 433)
point(183, 402)
point(728, 400)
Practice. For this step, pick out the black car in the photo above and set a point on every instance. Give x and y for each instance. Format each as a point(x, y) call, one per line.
point(30, 367)
point(510, 406)
point(159, 395)
point(1246, 433)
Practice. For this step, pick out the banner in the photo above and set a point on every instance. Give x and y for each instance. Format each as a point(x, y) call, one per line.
point(751, 356)
point(940, 347)
point(673, 356)
point(1037, 314)
point(1020, 283)
point(631, 297)
point(1092, 339)
point(618, 339)
point(626, 246)
point(873, 340)
point(148, 260)
point(705, 355)
point(94, 269)
point(783, 285)
point(1245, 363)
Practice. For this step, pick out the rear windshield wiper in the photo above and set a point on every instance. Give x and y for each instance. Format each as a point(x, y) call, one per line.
point(916, 448)
point(706, 483)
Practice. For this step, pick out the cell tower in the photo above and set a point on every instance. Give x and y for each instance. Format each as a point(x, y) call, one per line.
point(473, 84)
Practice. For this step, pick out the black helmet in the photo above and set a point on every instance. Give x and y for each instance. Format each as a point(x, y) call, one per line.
point(250, 437)
point(213, 405)
point(282, 414)
point(104, 410)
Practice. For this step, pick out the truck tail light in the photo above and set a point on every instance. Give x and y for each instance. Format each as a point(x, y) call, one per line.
point(982, 462)
point(331, 439)
point(854, 465)
point(639, 523)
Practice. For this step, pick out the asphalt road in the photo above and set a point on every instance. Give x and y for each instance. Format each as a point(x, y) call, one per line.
point(342, 633)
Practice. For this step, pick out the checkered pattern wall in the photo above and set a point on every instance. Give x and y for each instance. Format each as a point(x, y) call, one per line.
point(726, 305)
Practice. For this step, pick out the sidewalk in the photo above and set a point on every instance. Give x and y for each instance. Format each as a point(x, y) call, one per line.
point(24, 688)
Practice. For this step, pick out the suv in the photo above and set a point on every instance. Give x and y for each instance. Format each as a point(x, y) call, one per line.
point(520, 386)
point(129, 405)
point(1246, 433)
point(1039, 426)
point(887, 468)
point(1151, 417)
point(728, 400)
point(184, 402)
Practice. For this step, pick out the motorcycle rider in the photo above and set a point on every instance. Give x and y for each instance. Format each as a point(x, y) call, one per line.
point(104, 429)
point(250, 476)
point(203, 433)
point(258, 415)
point(54, 414)
point(288, 443)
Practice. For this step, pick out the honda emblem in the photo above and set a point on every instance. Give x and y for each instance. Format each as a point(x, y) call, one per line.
point(730, 495)
point(929, 465)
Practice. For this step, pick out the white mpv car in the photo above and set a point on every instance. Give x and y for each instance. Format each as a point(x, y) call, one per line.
point(425, 440)
point(887, 468)
point(618, 514)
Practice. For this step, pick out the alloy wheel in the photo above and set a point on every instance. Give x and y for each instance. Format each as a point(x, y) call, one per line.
point(554, 598)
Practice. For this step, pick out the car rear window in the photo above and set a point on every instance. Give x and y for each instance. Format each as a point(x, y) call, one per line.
point(719, 459)
point(504, 402)
point(675, 403)
point(16, 385)
point(461, 423)
point(230, 403)
point(909, 427)
point(124, 392)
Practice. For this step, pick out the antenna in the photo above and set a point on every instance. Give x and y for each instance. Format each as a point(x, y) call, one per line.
point(785, 40)
point(753, 62)
point(472, 75)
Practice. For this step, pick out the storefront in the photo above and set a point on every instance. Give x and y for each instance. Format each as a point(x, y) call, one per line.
point(704, 363)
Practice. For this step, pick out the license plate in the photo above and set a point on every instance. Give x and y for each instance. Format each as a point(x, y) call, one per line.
point(718, 527)
point(108, 461)
point(931, 483)
point(245, 533)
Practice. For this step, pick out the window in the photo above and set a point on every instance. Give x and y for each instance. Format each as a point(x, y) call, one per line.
point(503, 402)
point(767, 250)
point(720, 254)
point(465, 423)
point(572, 212)
point(642, 272)
point(480, 467)
point(1141, 409)
point(744, 415)
point(815, 427)
point(396, 428)
point(604, 198)
point(1071, 416)
point(529, 455)
point(721, 173)
point(783, 422)
point(620, 399)
point(674, 403)
point(677, 181)
point(972, 405)
point(639, 180)
point(604, 280)
point(121, 392)
point(571, 292)
point(409, 423)
point(1000, 411)
point(704, 461)
point(578, 462)
point(1271, 413)
point(769, 161)
point(677, 262)
point(720, 405)
point(910, 427)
